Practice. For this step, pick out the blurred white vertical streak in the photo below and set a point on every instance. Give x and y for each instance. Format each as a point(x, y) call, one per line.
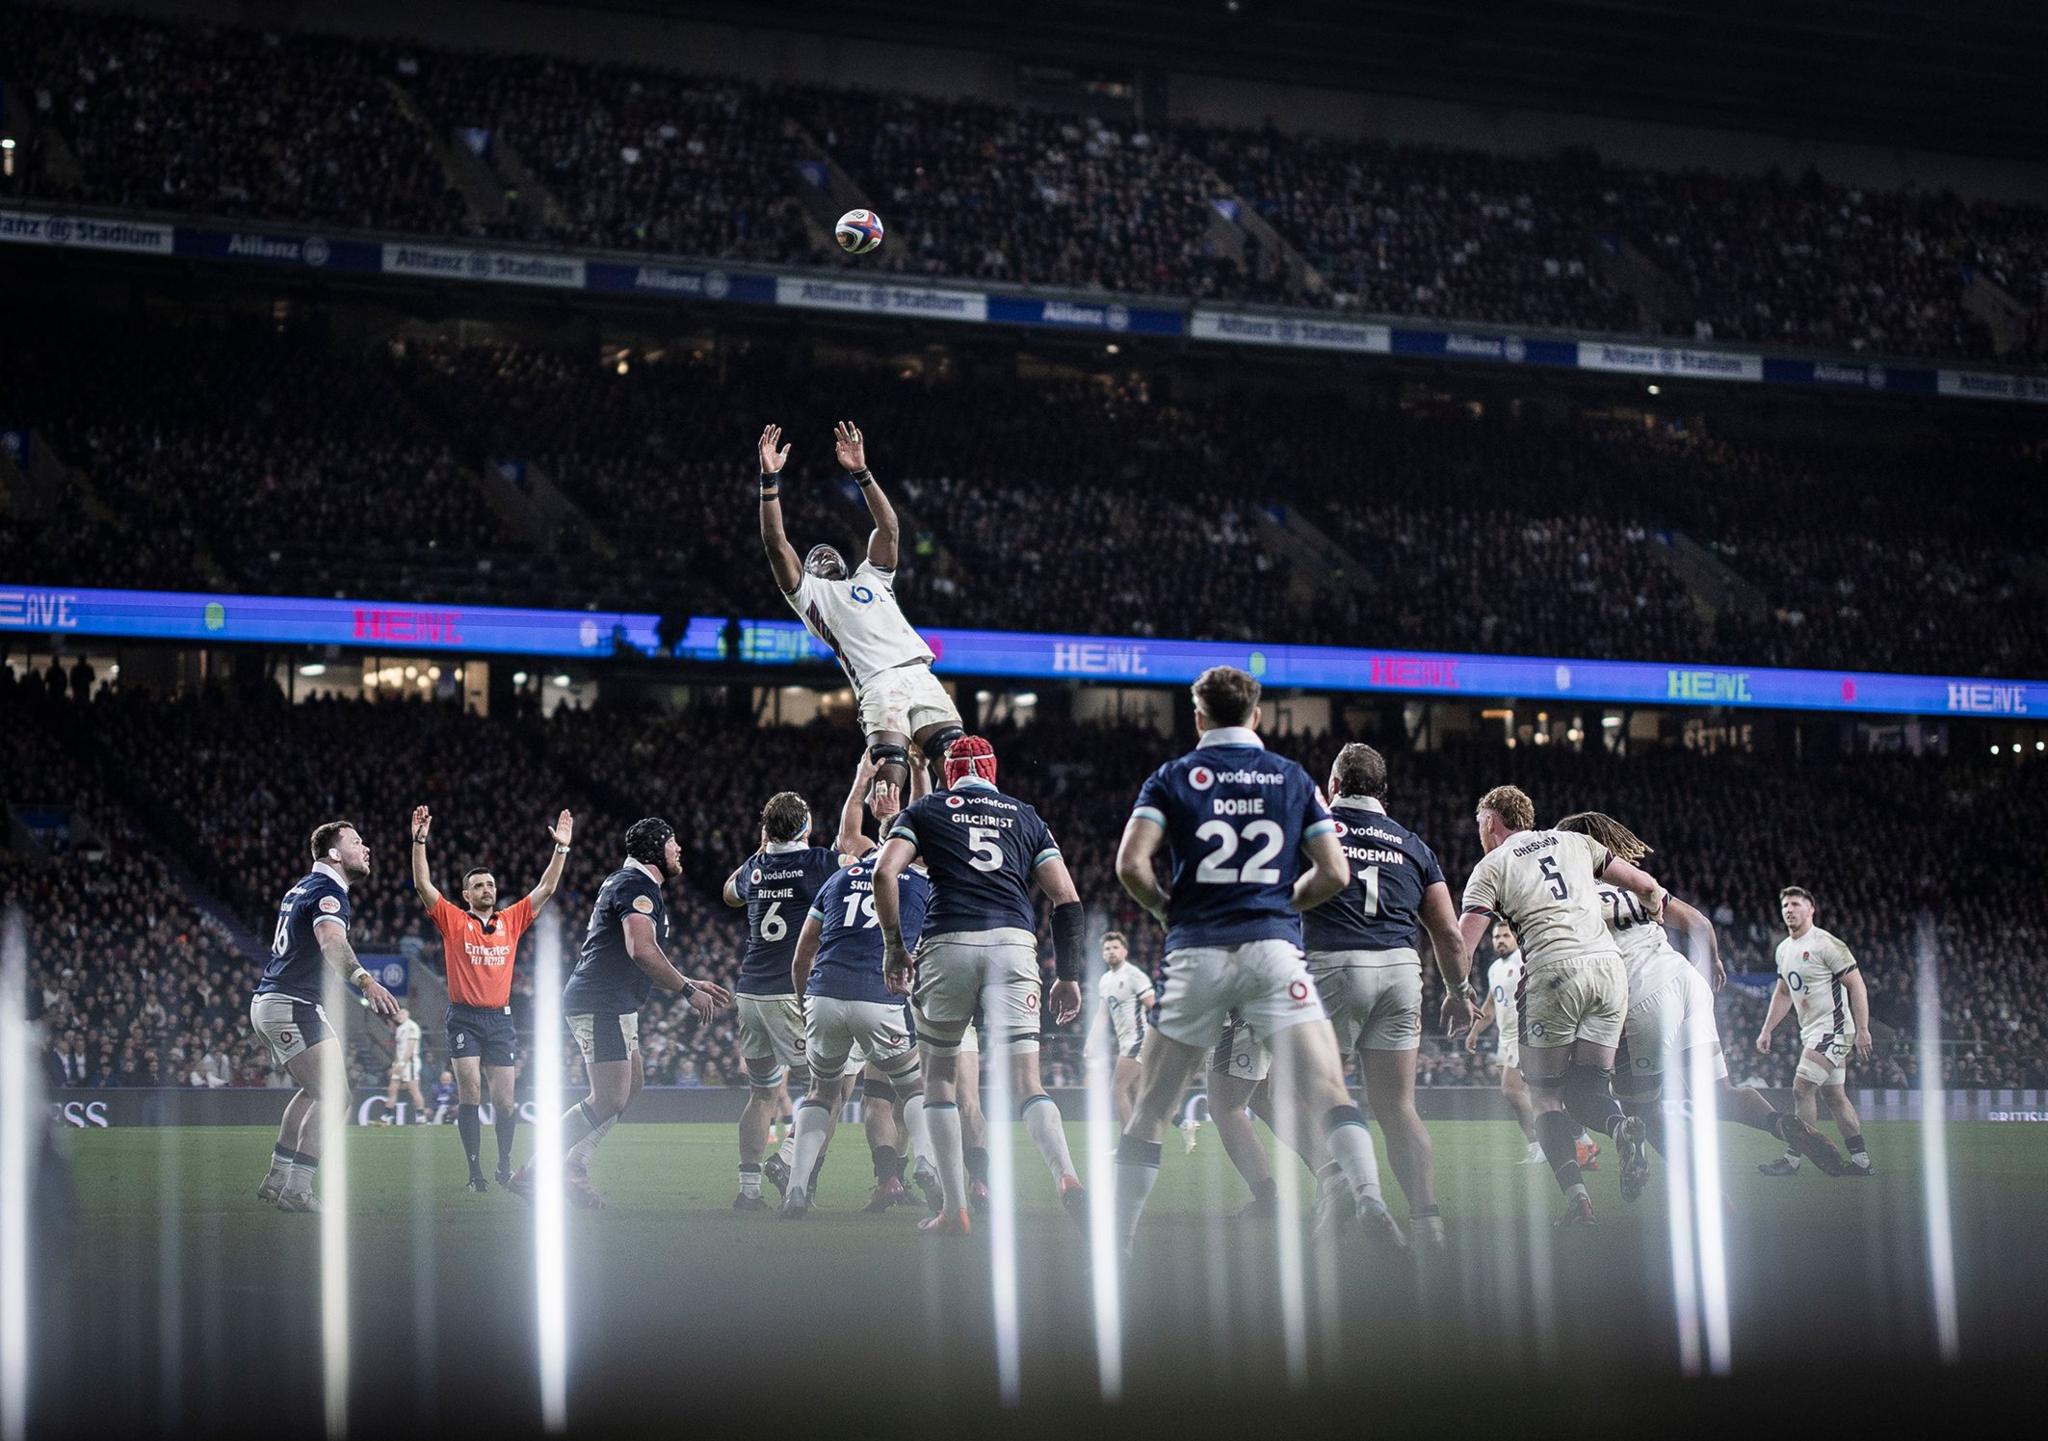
point(1941, 1253)
point(1287, 1223)
point(1703, 1139)
point(1000, 1113)
point(341, 1002)
point(17, 1122)
point(549, 1241)
point(1104, 1244)
point(1680, 1212)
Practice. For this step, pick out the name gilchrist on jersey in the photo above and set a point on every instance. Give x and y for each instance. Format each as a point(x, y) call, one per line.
point(1235, 817)
point(778, 884)
point(606, 981)
point(981, 848)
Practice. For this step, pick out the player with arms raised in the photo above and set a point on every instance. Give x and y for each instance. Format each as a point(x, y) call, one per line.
point(479, 944)
point(1818, 978)
point(622, 961)
point(1251, 846)
point(286, 1011)
point(1574, 988)
point(856, 614)
point(776, 885)
point(984, 850)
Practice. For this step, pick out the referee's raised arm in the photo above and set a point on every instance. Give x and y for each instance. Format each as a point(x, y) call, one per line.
point(781, 558)
point(422, 883)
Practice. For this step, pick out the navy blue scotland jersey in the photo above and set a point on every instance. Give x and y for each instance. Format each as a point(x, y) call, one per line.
point(1391, 866)
point(319, 898)
point(606, 982)
point(778, 887)
point(1236, 817)
point(848, 965)
point(981, 848)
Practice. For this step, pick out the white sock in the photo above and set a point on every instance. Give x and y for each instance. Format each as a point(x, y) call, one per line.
point(787, 1150)
point(583, 1150)
point(942, 1124)
point(1137, 1172)
point(298, 1179)
point(809, 1134)
point(1351, 1149)
point(1042, 1120)
point(920, 1133)
point(750, 1180)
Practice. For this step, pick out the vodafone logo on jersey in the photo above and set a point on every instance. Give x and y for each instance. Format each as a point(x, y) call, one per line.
point(955, 802)
point(1342, 829)
point(754, 876)
point(1201, 778)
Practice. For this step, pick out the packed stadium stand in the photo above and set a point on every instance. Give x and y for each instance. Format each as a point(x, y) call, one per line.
point(153, 114)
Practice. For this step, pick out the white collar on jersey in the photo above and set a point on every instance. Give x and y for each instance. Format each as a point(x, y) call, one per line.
point(1229, 736)
point(332, 872)
point(1360, 803)
point(965, 781)
point(781, 848)
point(635, 863)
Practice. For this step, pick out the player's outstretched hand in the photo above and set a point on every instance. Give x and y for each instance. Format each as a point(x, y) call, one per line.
point(422, 822)
point(772, 459)
point(885, 800)
point(382, 1002)
point(1456, 1012)
point(1862, 1045)
point(564, 829)
point(850, 446)
point(897, 973)
point(1472, 1037)
point(1065, 1001)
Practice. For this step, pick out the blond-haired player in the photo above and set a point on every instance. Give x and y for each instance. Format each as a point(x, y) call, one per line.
point(1574, 988)
point(1818, 978)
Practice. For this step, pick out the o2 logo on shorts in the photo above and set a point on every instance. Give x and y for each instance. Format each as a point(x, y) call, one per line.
point(1297, 991)
point(1201, 778)
point(862, 594)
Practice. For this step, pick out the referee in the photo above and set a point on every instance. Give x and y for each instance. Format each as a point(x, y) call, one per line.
point(479, 943)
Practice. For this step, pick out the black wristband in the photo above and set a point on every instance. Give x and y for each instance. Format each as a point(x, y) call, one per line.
point(865, 476)
point(1069, 928)
point(769, 483)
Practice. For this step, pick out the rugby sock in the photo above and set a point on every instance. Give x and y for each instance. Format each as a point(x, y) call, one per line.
point(787, 1150)
point(887, 1163)
point(1857, 1155)
point(1351, 1148)
point(1042, 1120)
point(300, 1177)
point(1137, 1172)
point(942, 1120)
point(809, 1130)
point(914, 1125)
point(280, 1165)
point(1558, 1134)
point(506, 1122)
point(977, 1164)
point(470, 1127)
point(750, 1178)
point(577, 1124)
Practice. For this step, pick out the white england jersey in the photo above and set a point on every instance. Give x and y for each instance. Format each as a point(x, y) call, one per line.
point(1812, 967)
point(1125, 993)
point(1503, 979)
point(408, 1040)
point(1645, 948)
point(859, 619)
point(1542, 883)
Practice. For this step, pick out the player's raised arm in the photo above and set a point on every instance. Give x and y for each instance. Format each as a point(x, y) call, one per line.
point(704, 996)
point(852, 449)
point(562, 834)
point(897, 854)
point(789, 572)
point(341, 956)
point(1637, 881)
point(852, 840)
point(1696, 939)
point(1134, 873)
point(422, 883)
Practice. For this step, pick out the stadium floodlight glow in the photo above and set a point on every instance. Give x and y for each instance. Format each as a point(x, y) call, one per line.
point(312, 668)
point(1105, 1279)
point(18, 1110)
point(549, 1243)
point(1002, 1204)
point(7, 143)
point(1941, 1245)
point(341, 999)
point(1024, 699)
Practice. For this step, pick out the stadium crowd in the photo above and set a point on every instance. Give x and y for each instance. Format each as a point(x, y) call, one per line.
point(171, 115)
point(141, 974)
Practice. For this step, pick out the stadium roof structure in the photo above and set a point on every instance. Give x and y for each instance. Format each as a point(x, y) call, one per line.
point(1906, 73)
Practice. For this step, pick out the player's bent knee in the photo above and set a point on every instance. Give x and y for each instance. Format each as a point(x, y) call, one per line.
point(1813, 1073)
point(765, 1073)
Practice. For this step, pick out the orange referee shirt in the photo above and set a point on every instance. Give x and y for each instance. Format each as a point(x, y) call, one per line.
point(480, 961)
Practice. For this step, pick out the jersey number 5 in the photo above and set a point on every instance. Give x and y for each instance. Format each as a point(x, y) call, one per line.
point(1258, 869)
point(984, 853)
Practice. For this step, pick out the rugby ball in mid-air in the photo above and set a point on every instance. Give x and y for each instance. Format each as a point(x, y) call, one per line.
point(858, 231)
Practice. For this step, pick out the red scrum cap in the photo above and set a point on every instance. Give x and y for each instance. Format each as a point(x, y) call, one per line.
point(970, 756)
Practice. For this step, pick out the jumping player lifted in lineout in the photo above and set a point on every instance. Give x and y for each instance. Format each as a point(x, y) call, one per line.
point(856, 614)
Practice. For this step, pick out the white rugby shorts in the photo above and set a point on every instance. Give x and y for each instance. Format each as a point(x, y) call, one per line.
point(997, 970)
point(905, 699)
point(1575, 1000)
point(1265, 982)
point(288, 1026)
point(771, 1037)
point(836, 1030)
point(1374, 998)
point(1675, 1018)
